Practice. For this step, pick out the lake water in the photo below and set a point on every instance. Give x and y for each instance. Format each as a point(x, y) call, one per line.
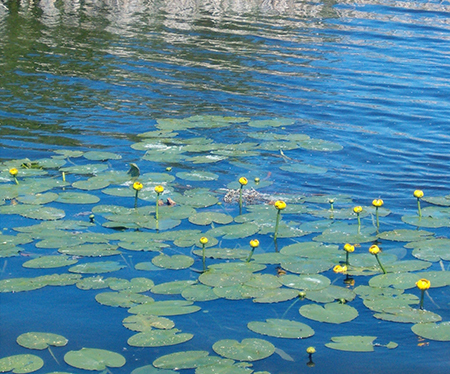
point(370, 76)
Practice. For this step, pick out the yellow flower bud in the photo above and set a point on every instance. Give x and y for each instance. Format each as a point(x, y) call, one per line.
point(203, 240)
point(418, 194)
point(159, 189)
point(137, 186)
point(423, 284)
point(349, 248)
point(374, 249)
point(310, 350)
point(340, 269)
point(257, 180)
point(13, 172)
point(377, 203)
point(280, 205)
point(254, 243)
point(357, 209)
point(243, 181)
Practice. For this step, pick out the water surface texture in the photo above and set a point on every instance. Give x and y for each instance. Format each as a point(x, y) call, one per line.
point(371, 76)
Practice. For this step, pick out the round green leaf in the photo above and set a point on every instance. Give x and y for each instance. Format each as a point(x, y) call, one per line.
point(158, 338)
point(247, 350)
point(41, 340)
point(165, 308)
point(101, 156)
point(407, 315)
point(329, 313)
point(47, 262)
point(352, 343)
point(96, 267)
point(94, 359)
point(44, 213)
point(282, 328)
point(77, 198)
point(206, 218)
point(21, 363)
point(433, 331)
point(197, 176)
point(172, 288)
point(139, 322)
point(174, 262)
point(180, 360)
point(122, 299)
point(305, 282)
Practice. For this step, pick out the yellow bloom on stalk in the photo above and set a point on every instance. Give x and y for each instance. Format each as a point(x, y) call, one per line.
point(280, 204)
point(423, 284)
point(254, 243)
point(203, 240)
point(159, 189)
point(310, 350)
point(357, 209)
point(243, 181)
point(137, 186)
point(374, 249)
point(13, 172)
point(340, 269)
point(418, 194)
point(377, 203)
point(349, 248)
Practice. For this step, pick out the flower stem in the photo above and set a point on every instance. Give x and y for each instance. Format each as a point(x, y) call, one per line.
point(276, 225)
point(418, 207)
point(136, 199)
point(378, 221)
point(251, 254)
point(346, 258)
point(204, 258)
point(421, 299)
point(157, 206)
point(379, 263)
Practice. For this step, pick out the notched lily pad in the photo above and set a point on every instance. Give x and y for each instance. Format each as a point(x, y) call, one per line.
point(329, 313)
point(282, 328)
point(139, 322)
point(159, 338)
point(175, 262)
point(433, 331)
point(247, 350)
point(21, 363)
point(352, 343)
point(165, 308)
point(94, 359)
point(41, 340)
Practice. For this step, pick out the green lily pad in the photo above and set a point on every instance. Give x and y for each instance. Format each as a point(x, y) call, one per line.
point(303, 168)
point(269, 123)
point(404, 235)
point(223, 253)
point(21, 363)
point(174, 262)
point(150, 369)
point(94, 359)
point(172, 288)
point(44, 213)
point(407, 315)
point(274, 295)
point(85, 169)
point(90, 250)
point(199, 292)
point(206, 218)
point(140, 322)
point(41, 340)
point(94, 283)
point(306, 266)
point(38, 199)
point(197, 176)
point(330, 294)
point(352, 343)
point(428, 222)
point(77, 198)
point(158, 338)
point(431, 250)
point(433, 331)
point(165, 308)
point(247, 350)
point(134, 285)
point(47, 262)
point(225, 366)
point(329, 313)
point(320, 145)
point(216, 278)
point(240, 231)
point(180, 360)
point(93, 183)
point(96, 267)
point(305, 282)
point(122, 299)
point(101, 156)
point(281, 328)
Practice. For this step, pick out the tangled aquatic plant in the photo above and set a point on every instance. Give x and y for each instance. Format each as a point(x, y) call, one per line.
point(279, 205)
point(159, 190)
point(423, 285)
point(137, 186)
point(243, 181)
point(375, 250)
point(13, 172)
point(203, 242)
point(348, 249)
point(418, 194)
point(377, 203)
point(254, 243)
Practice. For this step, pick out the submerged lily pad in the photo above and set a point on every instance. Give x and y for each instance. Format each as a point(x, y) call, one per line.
point(433, 331)
point(94, 359)
point(329, 313)
point(247, 350)
point(21, 363)
point(159, 338)
point(40, 340)
point(282, 328)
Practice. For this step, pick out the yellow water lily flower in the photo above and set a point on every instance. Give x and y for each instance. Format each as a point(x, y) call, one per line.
point(310, 350)
point(374, 249)
point(13, 172)
point(357, 209)
point(423, 284)
point(243, 181)
point(254, 243)
point(137, 186)
point(203, 240)
point(159, 189)
point(340, 269)
point(349, 248)
point(418, 194)
point(280, 204)
point(377, 203)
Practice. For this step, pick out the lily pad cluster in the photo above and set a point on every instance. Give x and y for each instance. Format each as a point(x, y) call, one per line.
point(83, 224)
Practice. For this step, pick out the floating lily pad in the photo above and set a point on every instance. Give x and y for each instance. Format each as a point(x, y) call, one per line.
point(269, 123)
point(172, 288)
point(165, 308)
point(306, 266)
point(431, 250)
point(91, 250)
point(223, 253)
point(352, 343)
point(305, 282)
point(277, 295)
point(140, 322)
point(330, 294)
point(197, 176)
point(77, 198)
point(180, 360)
point(96, 267)
point(240, 231)
point(174, 262)
point(282, 328)
point(206, 218)
point(303, 168)
point(407, 315)
point(404, 235)
point(94, 183)
point(101, 156)
point(247, 350)
point(159, 338)
point(433, 331)
point(222, 278)
point(44, 213)
point(41, 340)
point(378, 303)
point(47, 262)
point(122, 299)
point(21, 363)
point(150, 369)
point(38, 199)
point(329, 313)
point(95, 283)
point(199, 292)
point(94, 359)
